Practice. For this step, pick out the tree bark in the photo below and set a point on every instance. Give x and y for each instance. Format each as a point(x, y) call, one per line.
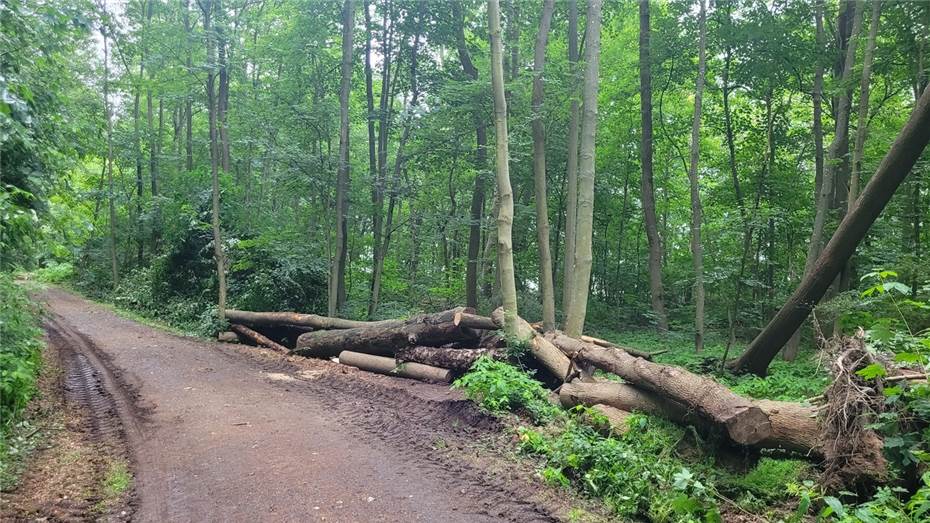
point(572, 346)
point(108, 109)
point(648, 188)
point(337, 292)
point(893, 169)
point(459, 360)
point(303, 320)
point(547, 292)
point(791, 349)
point(219, 255)
point(571, 169)
point(426, 329)
point(745, 423)
point(258, 338)
point(584, 222)
point(542, 349)
point(697, 246)
point(391, 367)
point(504, 191)
point(794, 427)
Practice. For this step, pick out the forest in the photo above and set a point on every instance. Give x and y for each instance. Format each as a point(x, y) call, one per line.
point(739, 188)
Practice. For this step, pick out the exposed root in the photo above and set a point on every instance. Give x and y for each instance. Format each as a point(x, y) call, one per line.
point(853, 452)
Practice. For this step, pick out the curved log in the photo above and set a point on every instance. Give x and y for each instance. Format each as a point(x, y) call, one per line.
point(542, 349)
point(258, 338)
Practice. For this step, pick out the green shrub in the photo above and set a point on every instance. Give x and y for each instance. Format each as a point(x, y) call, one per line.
point(20, 349)
point(770, 477)
point(498, 387)
point(55, 273)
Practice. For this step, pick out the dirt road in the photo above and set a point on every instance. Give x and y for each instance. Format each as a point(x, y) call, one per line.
point(220, 432)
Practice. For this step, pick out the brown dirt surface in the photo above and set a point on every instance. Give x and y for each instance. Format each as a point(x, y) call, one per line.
point(225, 432)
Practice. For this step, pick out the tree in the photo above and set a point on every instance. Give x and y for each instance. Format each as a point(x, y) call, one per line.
point(648, 186)
point(571, 168)
point(893, 169)
point(574, 321)
point(337, 293)
point(547, 293)
point(504, 191)
point(208, 8)
point(697, 247)
point(108, 166)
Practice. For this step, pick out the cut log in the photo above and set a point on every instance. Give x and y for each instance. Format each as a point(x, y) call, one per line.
point(391, 367)
point(227, 337)
point(304, 320)
point(542, 349)
point(426, 329)
point(258, 338)
point(745, 423)
point(616, 420)
point(454, 359)
point(794, 426)
point(466, 319)
point(571, 346)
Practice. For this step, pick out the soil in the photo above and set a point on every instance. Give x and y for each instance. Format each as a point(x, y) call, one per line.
point(226, 432)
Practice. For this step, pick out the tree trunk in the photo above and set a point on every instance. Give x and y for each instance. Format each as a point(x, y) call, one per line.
point(825, 196)
point(481, 144)
point(584, 222)
point(571, 169)
point(794, 427)
point(376, 192)
point(188, 102)
point(391, 367)
point(572, 346)
point(697, 246)
point(338, 267)
point(894, 168)
point(218, 253)
point(459, 360)
point(271, 319)
point(108, 109)
point(547, 354)
point(258, 338)
point(222, 102)
point(504, 191)
point(745, 423)
point(648, 188)
point(426, 329)
point(547, 293)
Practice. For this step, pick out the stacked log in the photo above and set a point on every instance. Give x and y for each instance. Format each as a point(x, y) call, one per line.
point(385, 338)
point(391, 367)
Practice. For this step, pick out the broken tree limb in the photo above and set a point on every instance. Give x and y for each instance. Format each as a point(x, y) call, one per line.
point(572, 346)
point(304, 320)
point(454, 359)
point(542, 349)
point(794, 426)
point(426, 329)
point(258, 338)
point(466, 319)
point(745, 423)
point(391, 367)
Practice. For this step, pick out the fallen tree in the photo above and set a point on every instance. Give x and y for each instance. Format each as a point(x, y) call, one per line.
point(258, 338)
point(385, 338)
point(390, 366)
point(454, 359)
point(794, 426)
point(312, 321)
point(572, 346)
point(745, 423)
point(547, 354)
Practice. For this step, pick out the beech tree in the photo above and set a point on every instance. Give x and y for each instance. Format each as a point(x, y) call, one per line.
point(697, 246)
point(337, 291)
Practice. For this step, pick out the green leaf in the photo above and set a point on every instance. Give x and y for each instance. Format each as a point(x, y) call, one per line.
point(872, 371)
point(835, 507)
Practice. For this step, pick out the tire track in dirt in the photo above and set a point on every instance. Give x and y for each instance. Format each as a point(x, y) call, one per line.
point(224, 432)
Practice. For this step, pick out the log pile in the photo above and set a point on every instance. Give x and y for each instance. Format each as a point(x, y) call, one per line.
point(440, 346)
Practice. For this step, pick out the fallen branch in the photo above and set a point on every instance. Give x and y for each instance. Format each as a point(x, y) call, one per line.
point(258, 338)
point(389, 366)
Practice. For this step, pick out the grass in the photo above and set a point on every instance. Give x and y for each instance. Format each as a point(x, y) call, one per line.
point(118, 479)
